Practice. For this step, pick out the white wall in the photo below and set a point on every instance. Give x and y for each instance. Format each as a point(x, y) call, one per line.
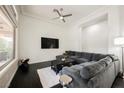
point(75, 31)
point(95, 37)
point(113, 25)
point(121, 9)
point(74, 38)
point(31, 31)
point(121, 13)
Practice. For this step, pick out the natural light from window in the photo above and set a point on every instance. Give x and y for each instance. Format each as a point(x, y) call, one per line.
point(6, 40)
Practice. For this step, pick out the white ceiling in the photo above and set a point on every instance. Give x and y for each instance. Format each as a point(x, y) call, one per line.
point(45, 12)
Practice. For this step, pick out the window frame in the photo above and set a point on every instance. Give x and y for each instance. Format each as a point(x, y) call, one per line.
point(14, 39)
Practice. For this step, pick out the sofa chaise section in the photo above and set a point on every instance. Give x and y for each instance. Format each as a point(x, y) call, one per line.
point(99, 72)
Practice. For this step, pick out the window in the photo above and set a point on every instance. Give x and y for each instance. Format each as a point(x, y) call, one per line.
point(6, 40)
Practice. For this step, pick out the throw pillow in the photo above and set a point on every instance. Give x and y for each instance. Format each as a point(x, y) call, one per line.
point(107, 60)
point(114, 58)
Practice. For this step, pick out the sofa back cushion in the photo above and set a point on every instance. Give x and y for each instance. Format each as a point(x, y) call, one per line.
point(73, 57)
point(97, 57)
point(78, 54)
point(90, 70)
point(70, 53)
point(87, 55)
point(81, 60)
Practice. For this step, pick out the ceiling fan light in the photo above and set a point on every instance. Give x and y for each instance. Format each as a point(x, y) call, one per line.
point(61, 17)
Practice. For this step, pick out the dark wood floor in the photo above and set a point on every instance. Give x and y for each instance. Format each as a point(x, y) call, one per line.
point(118, 83)
point(31, 79)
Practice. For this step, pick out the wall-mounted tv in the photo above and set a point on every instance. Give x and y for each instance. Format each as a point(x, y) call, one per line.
point(49, 43)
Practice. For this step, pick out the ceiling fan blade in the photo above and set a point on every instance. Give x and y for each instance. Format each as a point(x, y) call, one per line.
point(58, 12)
point(55, 10)
point(63, 20)
point(67, 15)
point(55, 18)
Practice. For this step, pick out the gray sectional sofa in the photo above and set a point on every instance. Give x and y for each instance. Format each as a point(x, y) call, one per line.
point(91, 70)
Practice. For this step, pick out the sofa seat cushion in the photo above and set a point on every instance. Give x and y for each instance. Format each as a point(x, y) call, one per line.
point(90, 70)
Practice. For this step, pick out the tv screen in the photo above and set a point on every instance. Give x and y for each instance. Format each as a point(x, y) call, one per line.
point(49, 43)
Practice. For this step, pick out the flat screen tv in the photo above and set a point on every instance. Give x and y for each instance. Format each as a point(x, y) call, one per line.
point(49, 43)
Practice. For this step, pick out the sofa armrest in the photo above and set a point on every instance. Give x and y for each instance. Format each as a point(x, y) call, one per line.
point(73, 71)
point(69, 71)
point(59, 56)
point(77, 81)
point(103, 79)
point(117, 67)
point(65, 80)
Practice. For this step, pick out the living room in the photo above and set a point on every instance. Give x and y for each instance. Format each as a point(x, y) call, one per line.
point(47, 34)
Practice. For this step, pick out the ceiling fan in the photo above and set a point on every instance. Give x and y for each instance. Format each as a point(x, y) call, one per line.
point(61, 16)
